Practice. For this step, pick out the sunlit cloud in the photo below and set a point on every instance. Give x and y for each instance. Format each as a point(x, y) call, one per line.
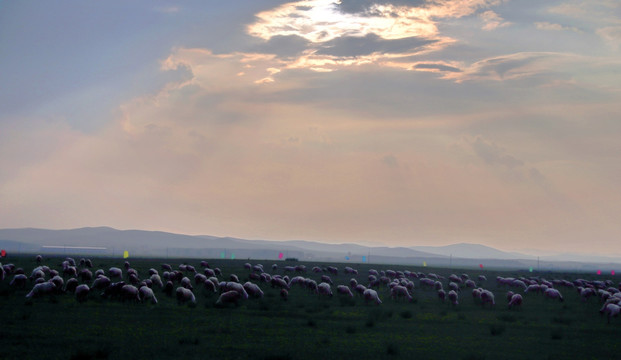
point(493, 20)
point(544, 25)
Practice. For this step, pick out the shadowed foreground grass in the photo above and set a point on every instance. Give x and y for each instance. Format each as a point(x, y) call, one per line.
point(304, 327)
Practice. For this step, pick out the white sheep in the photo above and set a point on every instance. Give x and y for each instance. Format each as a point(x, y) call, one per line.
point(185, 282)
point(553, 294)
point(101, 283)
point(234, 286)
point(441, 294)
point(253, 289)
point(371, 295)
point(400, 291)
point(453, 297)
point(130, 292)
point(229, 297)
point(185, 295)
point(146, 293)
point(115, 272)
point(41, 289)
point(19, 280)
point(516, 300)
point(487, 297)
point(611, 310)
point(344, 290)
point(324, 289)
point(157, 280)
point(81, 292)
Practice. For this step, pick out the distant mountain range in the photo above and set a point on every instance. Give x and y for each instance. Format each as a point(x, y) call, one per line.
point(106, 241)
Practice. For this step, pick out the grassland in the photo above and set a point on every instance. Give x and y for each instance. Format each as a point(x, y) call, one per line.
point(305, 326)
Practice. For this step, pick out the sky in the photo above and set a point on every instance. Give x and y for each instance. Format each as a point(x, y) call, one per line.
point(392, 122)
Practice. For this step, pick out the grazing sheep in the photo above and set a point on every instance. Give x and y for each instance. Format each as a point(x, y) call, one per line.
point(278, 282)
point(453, 286)
point(210, 286)
point(509, 295)
point(400, 291)
point(185, 295)
point(344, 290)
point(126, 265)
point(146, 293)
point(19, 281)
point(326, 279)
point(470, 284)
point(481, 278)
point(71, 285)
point(70, 271)
point(274, 267)
point(253, 290)
point(209, 272)
point(155, 279)
point(353, 283)
point(88, 263)
point(199, 279)
point(85, 275)
point(284, 294)
point(229, 297)
point(533, 288)
point(487, 297)
point(324, 289)
point(81, 292)
point(437, 285)
point(553, 294)
point(39, 259)
point(611, 310)
point(516, 300)
point(41, 289)
point(190, 268)
point(101, 283)
point(115, 272)
point(452, 295)
point(99, 272)
point(168, 288)
point(166, 267)
point(114, 290)
point(360, 289)
point(204, 264)
point(234, 286)
point(441, 294)
point(371, 295)
point(234, 278)
point(185, 282)
point(133, 279)
point(58, 281)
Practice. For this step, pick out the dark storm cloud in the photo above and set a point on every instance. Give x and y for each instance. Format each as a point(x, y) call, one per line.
point(282, 46)
point(357, 46)
point(439, 67)
point(363, 7)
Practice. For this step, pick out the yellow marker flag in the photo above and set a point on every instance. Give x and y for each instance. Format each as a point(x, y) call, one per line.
point(125, 254)
point(424, 263)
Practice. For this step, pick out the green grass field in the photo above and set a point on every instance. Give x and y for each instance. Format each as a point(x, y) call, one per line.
point(304, 327)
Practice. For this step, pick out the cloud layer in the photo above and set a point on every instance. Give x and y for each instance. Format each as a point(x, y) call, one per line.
point(399, 122)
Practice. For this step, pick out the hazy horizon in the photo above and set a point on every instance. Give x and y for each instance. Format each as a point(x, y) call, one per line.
point(391, 122)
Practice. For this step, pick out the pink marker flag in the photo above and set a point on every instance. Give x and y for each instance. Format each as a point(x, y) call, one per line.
point(481, 266)
point(599, 272)
point(612, 272)
point(280, 255)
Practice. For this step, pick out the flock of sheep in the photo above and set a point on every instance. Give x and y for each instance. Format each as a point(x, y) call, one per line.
point(182, 282)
